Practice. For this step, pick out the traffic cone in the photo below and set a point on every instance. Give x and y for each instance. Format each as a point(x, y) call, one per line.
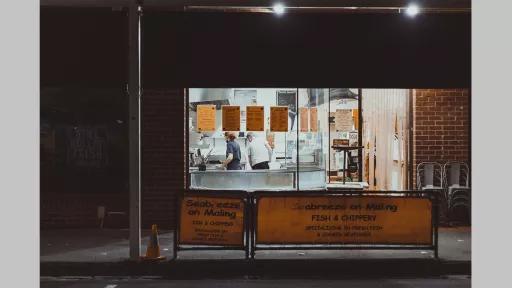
point(153, 250)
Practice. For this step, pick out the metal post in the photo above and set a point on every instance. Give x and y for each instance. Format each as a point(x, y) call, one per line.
point(410, 154)
point(360, 135)
point(134, 92)
point(436, 223)
point(329, 136)
point(297, 127)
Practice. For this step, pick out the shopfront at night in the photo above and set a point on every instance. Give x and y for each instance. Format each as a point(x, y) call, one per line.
point(340, 165)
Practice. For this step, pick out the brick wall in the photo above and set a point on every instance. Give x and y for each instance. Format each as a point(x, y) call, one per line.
point(441, 126)
point(69, 210)
point(162, 131)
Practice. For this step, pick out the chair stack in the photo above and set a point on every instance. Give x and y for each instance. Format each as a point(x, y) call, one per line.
point(451, 184)
point(429, 178)
point(458, 191)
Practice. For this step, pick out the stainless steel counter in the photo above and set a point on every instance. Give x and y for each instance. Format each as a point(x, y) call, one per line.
point(261, 180)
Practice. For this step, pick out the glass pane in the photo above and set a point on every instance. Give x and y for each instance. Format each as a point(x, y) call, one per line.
point(313, 138)
point(344, 131)
point(267, 158)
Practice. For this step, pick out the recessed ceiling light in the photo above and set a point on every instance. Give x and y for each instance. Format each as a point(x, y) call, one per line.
point(278, 8)
point(412, 10)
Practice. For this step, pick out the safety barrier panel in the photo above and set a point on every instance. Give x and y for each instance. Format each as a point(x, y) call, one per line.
point(213, 220)
point(286, 220)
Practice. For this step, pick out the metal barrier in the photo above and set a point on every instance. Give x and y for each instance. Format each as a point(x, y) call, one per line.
point(180, 245)
point(252, 240)
point(340, 245)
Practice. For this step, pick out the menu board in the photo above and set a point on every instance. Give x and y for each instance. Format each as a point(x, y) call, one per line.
point(355, 115)
point(344, 220)
point(205, 118)
point(230, 118)
point(343, 120)
point(279, 119)
point(303, 112)
point(212, 221)
point(313, 118)
point(255, 118)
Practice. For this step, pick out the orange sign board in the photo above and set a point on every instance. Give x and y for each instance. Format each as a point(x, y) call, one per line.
point(230, 118)
point(212, 221)
point(303, 112)
point(313, 126)
point(279, 118)
point(205, 118)
point(344, 220)
point(255, 118)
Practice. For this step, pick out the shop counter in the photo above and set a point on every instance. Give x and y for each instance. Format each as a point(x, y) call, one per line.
point(258, 180)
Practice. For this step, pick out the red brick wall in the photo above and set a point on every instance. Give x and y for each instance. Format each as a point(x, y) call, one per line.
point(441, 126)
point(162, 161)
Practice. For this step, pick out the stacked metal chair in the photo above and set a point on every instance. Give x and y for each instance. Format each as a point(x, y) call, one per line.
point(429, 177)
point(457, 189)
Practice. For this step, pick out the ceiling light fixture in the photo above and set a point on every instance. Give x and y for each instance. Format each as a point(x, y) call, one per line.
point(412, 10)
point(278, 9)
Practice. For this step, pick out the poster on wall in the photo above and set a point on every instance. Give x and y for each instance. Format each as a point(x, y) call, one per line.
point(344, 220)
point(313, 126)
point(255, 118)
point(303, 112)
point(212, 221)
point(205, 118)
point(230, 118)
point(278, 119)
point(343, 120)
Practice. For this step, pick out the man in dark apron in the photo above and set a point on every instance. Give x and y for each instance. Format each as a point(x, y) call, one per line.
point(233, 154)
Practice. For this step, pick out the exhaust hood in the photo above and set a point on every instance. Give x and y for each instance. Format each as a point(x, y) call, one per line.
point(210, 96)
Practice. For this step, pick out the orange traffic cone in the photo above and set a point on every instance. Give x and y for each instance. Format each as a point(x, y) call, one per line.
point(153, 250)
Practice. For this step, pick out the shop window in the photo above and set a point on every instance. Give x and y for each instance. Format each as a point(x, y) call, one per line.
point(281, 135)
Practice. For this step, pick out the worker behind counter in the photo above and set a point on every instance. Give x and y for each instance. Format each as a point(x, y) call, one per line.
point(233, 154)
point(259, 152)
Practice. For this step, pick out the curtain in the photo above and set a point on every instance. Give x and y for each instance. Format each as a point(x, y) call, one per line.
point(385, 138)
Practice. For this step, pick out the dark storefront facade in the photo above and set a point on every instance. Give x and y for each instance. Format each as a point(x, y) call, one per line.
point(84, 55)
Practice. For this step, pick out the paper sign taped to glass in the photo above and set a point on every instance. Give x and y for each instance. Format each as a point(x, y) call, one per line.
point(230, 118)
point(255, 118)
point(279, 119)
point(205, 118)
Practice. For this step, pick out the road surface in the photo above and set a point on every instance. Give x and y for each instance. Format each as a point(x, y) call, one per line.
point(149, 282)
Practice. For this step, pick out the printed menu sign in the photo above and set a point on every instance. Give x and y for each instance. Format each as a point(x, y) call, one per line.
point(205, 118)
point(279, 118)
point(230, 118)
point(343, 120)
point(313, 126)
point(303, 112)
point(212, 221)
point(344, 220)
point(255, 118)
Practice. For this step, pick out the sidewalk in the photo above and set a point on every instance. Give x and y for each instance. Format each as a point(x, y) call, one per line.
point(69, 251)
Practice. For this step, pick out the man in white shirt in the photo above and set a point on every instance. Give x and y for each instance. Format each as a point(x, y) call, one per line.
point(259, 152)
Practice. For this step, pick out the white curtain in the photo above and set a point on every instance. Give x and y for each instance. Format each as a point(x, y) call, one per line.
point(385, 138)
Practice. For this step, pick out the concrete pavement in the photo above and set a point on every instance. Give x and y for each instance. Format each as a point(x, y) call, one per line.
point(105, 252)
point(110, 245)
